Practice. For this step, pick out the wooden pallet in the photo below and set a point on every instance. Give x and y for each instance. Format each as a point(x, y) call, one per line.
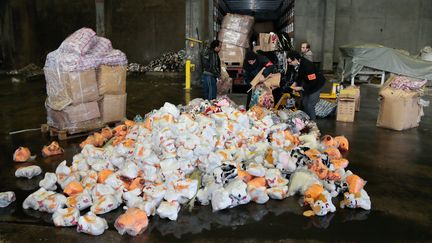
point(233, 64)
point(65, 134)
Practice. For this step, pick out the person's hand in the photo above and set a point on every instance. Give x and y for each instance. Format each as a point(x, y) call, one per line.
point(297, 88)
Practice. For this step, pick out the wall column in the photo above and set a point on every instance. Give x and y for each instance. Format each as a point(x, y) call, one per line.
point(329, 34)
point(196, 25)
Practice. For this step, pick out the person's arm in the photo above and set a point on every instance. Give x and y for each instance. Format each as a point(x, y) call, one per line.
point(247, 77)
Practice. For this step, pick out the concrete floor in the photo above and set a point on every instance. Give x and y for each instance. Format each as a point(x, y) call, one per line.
point(396, 165)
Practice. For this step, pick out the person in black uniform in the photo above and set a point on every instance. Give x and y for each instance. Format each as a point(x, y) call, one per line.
point(309, 80)
point(252, 65)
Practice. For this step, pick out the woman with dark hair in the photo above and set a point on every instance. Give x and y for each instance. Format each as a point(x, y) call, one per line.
point(211, 69)
point(309, 80)
point(252, 65)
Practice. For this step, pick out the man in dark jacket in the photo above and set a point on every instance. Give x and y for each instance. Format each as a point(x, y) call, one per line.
point(310, 80)
point(211, 69)
point(252, 65)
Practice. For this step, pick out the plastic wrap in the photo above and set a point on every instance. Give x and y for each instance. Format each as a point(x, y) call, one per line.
point(234, 38)
point(113, 107)
point(239, 23)
point(111, 79)
point(399, 109)
point(62, 121)
point(74, 82)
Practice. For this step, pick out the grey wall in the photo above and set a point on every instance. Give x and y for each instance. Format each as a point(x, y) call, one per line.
point(404, 24)
point(146, 29)
point(29, 30)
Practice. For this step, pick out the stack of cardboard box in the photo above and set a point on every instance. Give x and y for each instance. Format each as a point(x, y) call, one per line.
point(348, 103)
point(234, 35)
point(85, 91)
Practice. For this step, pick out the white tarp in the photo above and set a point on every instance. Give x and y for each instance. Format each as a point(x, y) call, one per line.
point(355, 57)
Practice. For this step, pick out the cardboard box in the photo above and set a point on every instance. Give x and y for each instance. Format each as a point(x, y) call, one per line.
point(82, 112)
point(67, 119)
point(238, 23)
point(234, 38)
point(356, 94)
point(232, 54)
point(267, 42)
point(57, 91)
point(345, 108)
point(113, 107)
point(399, 110)
point(82, 86)
point(111, 79)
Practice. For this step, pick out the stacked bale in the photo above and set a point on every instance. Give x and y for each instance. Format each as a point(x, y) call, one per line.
point(235, 34)
point(84, 75)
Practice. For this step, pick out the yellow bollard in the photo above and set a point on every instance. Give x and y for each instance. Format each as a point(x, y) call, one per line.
point(188, 75)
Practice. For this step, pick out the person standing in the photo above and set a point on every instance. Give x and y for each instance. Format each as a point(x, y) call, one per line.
point(309, 80)
point(252, 65)
point(211, 69)
point(306, 51)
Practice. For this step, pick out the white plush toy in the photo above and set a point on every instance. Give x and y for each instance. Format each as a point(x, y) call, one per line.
point(49, 182)
point(274, 178)
point(322, 207)
point(92, 224)
point(300, 181)
point(237, 191)
point(28, 171)
point(278, 192)
point(53, 202)
point(356, 201)
point(256, 169)
point(80, 201)
point(285, 163)
point(6, 198)
point(105, 204)
point(258, 194)
point(35, 199)
point(64, 217)
point(168, 210)
point(220, 199)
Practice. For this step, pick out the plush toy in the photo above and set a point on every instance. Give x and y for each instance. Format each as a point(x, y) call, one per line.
point(92, 224)
point(52, 149)
point(28, 171)
point(105, 204)
point(49, 182)
point(358, 200)
point(6, 198)
point(169, 210)
point(286, 163)
point(133, 222)
point(237, 191)
point(80, 201)
point(73, 188)
point(319, 200)
point(328, 141)
point(300, 181)
point(23, 154)
point(64, 217)
point(342, 142)
point(309, 140)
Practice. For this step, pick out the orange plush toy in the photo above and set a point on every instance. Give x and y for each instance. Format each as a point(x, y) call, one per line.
point(133, 222)
point(52, 149)
point(342, 142)
point(22, 154)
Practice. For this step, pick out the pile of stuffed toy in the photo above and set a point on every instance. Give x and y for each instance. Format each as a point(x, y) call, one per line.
point(205, 152)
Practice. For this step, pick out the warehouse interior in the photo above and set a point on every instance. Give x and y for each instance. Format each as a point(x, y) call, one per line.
point(159, 44)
